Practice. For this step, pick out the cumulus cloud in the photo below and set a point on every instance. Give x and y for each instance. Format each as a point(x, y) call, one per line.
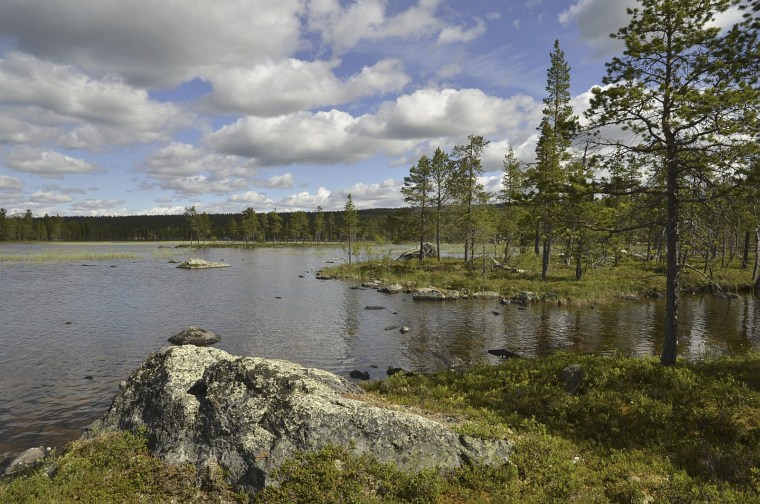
point(307, 201)
point(47, 197)
point(181, 41)
point(9, 184)
point(452, 34)
point(46, 163)
point(252, 199)
point(97, 206)
point(97, 112)
point(596, 20)
point(324, 137)
point(284, 181)
point(344, 27)
point(277, 88)
point(201, 184)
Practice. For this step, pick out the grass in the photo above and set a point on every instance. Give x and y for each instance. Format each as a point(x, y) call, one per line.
point(635, 431)
point(628, 277)
point(68, 256)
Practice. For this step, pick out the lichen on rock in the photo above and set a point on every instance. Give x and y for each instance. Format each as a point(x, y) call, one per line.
point(249, 415)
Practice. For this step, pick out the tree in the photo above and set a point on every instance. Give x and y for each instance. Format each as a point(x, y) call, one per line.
point(299, 224)
point(350, 224)
point(442, 175)
point(558, 127)
point(512, 182)
point(250, 224)
point(319, 224)
point(274, 224)
point(466, 185)
point(683, 91)
point(192, 222)
point(417, 191)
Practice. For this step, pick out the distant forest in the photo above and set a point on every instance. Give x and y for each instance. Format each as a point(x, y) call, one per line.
point(392, 225)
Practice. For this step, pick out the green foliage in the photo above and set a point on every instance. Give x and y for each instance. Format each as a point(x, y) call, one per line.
point(115, 467)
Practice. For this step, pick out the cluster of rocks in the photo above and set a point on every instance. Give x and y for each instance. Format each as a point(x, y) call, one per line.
point(248, 415)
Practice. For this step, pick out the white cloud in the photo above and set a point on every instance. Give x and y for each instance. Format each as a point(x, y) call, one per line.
point(201, 184)
point(307, 201)
point(45, 163)
point(344, 27)
point(8, 183)
point(97, 206)
point(46, 197)
point(452, 34)
point(284, 181)
point(306, 138)
point(596, 20)
point(154, 43)
point(96, 112)
point(252, 199)
point(278, 88)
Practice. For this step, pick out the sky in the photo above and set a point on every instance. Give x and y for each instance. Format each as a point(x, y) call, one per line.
point(124, 107)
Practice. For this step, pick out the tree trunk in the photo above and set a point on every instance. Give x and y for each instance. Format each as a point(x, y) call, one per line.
point(745, 254)
point(537, 240)
point(547, 253)
point(672, 276)
point(755, 272)
point(578, 261)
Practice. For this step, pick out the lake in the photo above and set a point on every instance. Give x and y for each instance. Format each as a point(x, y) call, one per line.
point(72, 330)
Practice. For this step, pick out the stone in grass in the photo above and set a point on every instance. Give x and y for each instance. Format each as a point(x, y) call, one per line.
point(194, 335)
point(572, 375)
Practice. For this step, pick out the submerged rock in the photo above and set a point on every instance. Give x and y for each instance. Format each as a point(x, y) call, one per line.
point(201, 264)
point(26, 460)
point(248, 415)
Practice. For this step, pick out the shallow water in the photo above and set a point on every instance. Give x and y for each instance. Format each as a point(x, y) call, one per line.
point(63, 321)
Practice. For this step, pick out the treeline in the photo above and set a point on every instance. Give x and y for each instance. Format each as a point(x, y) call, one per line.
point(379, 225)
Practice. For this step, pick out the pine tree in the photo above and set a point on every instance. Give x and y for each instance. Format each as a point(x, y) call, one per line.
point(547, 178)
point(686, 92)
point(350, 224)
point(417, 191)
point(467, 186)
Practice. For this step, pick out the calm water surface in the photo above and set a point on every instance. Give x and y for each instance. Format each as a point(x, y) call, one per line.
point(62, 321)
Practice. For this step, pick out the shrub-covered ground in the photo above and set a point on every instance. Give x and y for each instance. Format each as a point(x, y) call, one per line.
point(634, 432)
point(626, 276)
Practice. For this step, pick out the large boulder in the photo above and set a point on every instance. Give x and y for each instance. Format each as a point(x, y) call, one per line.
point(428, 250)
point(248, 415)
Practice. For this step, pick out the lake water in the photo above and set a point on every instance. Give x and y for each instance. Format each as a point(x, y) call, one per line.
point(63, 321)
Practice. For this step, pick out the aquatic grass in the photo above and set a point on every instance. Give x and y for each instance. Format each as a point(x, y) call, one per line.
point(68, 256)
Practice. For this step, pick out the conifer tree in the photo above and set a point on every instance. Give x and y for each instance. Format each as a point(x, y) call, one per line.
point(417, 191)
point(686, 92)
point(547, 178)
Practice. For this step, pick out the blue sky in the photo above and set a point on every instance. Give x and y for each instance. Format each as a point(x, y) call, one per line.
point(115, 107)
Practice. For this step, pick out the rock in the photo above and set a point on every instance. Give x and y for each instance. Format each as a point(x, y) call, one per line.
point(374, 307)
point(248, 415)
point(393, 370)
point(428, 294)
point(631, 297)
point(485, 295)
point(359, 375)
point(195, 336)
point(323, 276)
point(28, 459)
point(391, 327)
point(428, 250)
point(404, 330)
point(526, 297)
point(201, 264)
point(503, 353)
point(392, 289)
point(173, 261)
point(371, 285)
point(572, 375)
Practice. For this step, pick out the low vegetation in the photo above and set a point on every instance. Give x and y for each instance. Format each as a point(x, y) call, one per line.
point(625, 275)
point(635, 431)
